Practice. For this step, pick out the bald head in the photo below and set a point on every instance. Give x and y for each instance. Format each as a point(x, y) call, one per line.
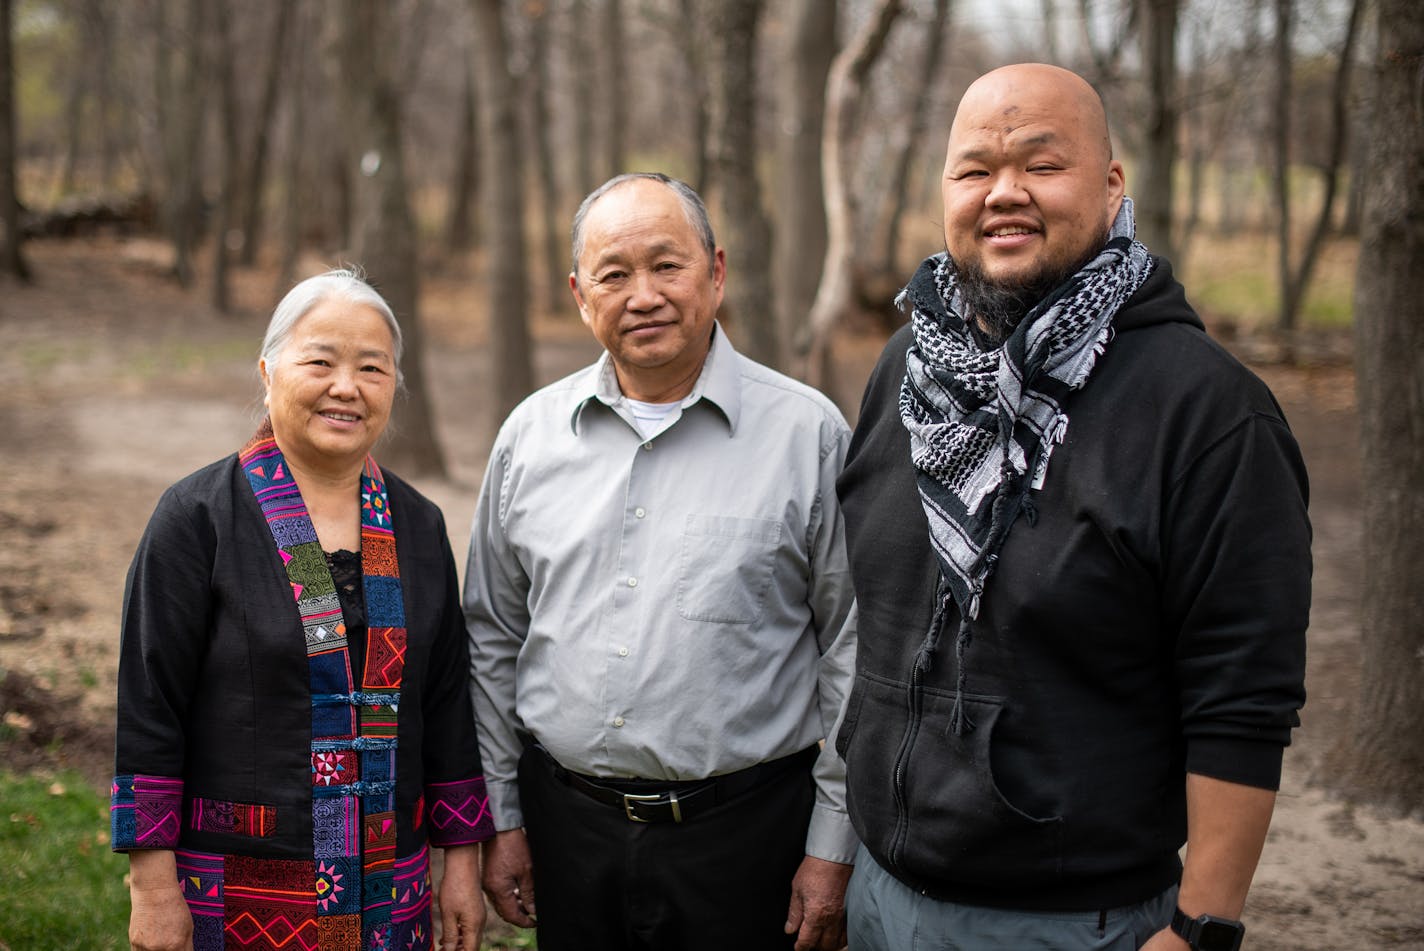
point(1006, 98)
point(1030, 187)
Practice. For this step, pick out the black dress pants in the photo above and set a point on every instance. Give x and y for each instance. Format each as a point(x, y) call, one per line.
point(719, 881)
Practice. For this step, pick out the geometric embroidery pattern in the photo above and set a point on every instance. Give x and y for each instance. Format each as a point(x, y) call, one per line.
point(145, 812)
point(458, 812)
point(269, 904)
point(350, 780)
point(233, 818)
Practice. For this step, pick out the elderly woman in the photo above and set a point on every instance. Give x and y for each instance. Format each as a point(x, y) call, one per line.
point(294, 728)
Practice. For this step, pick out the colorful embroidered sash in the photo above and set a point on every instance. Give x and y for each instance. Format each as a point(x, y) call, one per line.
point(353, 747)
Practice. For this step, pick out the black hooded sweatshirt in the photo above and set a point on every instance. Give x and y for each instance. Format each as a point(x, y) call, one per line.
point(1149, 622)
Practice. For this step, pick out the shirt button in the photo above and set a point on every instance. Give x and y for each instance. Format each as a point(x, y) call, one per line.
point(622, 652)
point(632, 582)
point(648, 446)
point(618, 721)
point(640, 511)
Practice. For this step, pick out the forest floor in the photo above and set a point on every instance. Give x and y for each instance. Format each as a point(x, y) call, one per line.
point(117, 383)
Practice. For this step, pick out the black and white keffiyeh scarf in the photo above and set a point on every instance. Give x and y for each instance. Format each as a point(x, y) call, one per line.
point(983, 424)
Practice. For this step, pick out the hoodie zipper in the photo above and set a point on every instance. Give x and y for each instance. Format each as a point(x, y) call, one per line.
point(902, 819)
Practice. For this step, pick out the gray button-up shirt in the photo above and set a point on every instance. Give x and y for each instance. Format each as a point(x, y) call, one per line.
point(674, 607)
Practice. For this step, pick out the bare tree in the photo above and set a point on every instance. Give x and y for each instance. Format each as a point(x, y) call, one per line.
point(1381, 759)
point(1154, 189)
point(12, 260)
point(613, 56)
point(255, 181)
point(747, 232)
point(222, 62)
point(581, 77)
point(1295, 276)
point(460, 233)
point(385, 226)
point(556, 259)
point(294, 195)
point(845, 86)
point(914, 136)
point(511, 361)
point(800, 248)
point(182, 100)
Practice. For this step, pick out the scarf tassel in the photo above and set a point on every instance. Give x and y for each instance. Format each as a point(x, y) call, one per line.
point(959, 719)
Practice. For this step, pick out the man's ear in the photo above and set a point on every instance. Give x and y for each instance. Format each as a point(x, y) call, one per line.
point(1117, 187)
point(578, 298)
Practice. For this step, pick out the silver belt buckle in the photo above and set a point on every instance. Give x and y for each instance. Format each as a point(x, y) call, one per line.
point(630, 801)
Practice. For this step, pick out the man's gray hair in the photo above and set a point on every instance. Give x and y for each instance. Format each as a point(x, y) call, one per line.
point(347, 284)
point(692, 207)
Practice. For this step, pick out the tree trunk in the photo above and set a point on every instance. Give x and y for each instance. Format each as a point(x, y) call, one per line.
point(581, 74)
point(1280, 139)
point(460, 233)
point(1154, 189)
point(689, 36)
point(227, 152)
point(182, 101)
point(613, 58)
point(506, 284)
point(1297, 277)
point(913, 143)
point(385, 230)
point(845, 88)
point(256, 183)
point(748, 306)
point(295, 200)
point(12, 260)
point(556, 255)
point(800, 248)
point(1381, 759)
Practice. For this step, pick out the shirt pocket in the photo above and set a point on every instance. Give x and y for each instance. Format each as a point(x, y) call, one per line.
point(725, 567)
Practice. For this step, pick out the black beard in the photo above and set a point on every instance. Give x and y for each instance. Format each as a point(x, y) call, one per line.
point(994, 308)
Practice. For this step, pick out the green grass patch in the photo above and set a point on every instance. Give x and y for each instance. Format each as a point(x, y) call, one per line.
point(63, 888)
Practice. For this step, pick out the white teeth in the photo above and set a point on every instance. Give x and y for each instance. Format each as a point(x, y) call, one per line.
point(341, 416)
point(1003, 232)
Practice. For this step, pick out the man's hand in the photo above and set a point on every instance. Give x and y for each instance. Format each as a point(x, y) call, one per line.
point(817, 912)
point(509, 877)
point(462, 906)
point(160, 919)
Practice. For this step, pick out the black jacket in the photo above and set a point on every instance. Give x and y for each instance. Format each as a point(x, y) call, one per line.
point(1151, 622)
point(214, 683)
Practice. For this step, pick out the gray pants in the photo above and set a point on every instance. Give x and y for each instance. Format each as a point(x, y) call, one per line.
point(883, 914)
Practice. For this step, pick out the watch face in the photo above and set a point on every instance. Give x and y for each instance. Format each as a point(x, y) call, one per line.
point(1218, 935)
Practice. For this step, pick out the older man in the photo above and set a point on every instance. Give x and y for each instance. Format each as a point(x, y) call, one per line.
point(657, 601)
point(1078, 535)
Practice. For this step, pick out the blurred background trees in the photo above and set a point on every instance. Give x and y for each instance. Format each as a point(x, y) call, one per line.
point(1263, 139)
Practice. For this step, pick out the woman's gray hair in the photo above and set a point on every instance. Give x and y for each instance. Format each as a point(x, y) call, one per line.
point(691, 202)
point(347, 284)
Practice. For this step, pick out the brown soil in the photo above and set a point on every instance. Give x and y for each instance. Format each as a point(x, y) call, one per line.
point(117, 383)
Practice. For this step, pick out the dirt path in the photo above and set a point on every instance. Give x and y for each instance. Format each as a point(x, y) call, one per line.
point(117, 384)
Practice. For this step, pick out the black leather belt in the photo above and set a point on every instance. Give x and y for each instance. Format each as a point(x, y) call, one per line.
point(644, 800)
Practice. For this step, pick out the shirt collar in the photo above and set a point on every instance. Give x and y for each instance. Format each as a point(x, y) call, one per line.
point(719, 383)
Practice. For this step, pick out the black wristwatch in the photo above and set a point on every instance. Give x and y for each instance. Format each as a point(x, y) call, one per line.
point(1208, 932)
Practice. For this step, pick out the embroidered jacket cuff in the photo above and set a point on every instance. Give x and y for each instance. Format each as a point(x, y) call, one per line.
point(831, 836)
point(458, 813)
point(145, 812)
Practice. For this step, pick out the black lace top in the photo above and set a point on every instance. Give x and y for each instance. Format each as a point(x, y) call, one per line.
point(345, 568)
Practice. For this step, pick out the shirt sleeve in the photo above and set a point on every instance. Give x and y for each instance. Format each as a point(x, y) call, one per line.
point(1238, 592)
point(456, 800)
point(168, 603)
point(830, 835)
point(496, 605)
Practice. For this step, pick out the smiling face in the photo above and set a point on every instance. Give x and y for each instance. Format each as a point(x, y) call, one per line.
point(1030, 187)
point(647, 290)
point(330, 389)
